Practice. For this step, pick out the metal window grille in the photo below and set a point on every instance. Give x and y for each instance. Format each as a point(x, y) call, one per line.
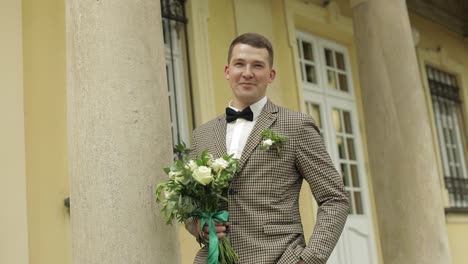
point(446, 102)
point(177, 57)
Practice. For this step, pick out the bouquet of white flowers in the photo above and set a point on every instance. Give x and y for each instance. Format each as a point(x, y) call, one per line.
point(195, 189)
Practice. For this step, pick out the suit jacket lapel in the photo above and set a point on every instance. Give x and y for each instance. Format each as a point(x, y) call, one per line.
point(264, 121)
point(219, 131)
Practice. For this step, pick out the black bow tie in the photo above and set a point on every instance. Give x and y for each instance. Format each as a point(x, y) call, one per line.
point(232, 115)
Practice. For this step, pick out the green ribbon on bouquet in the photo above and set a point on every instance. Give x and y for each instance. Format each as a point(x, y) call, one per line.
point(213, 249)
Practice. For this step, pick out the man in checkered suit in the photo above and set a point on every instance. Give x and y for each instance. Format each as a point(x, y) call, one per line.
point(264, 222)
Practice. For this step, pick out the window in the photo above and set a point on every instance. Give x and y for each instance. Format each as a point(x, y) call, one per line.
point(178, 79)
point(324, 66)
point(446, 103)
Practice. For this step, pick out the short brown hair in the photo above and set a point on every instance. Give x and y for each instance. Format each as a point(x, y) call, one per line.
point(255, 40)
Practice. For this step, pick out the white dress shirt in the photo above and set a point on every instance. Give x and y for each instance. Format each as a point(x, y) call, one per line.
point(238, 131)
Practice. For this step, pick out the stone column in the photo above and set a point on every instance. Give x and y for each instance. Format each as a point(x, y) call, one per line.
point(119, 132)
point(408, 195)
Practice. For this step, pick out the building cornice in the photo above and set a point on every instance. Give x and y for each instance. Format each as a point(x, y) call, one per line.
point(450, 14)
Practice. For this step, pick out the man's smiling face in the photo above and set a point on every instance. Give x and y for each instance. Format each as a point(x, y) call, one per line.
point(249, 74)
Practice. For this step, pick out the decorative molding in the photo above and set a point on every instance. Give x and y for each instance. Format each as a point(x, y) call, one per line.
point(291, 29)
point(334, 13)
point(330, 15)
point(203, 78)
point(440, 58)
point(450, 14)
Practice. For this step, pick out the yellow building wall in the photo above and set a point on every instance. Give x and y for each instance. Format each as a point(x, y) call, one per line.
point(457, 228)
point(45, 123)
point(446, 51)
point(13, 210)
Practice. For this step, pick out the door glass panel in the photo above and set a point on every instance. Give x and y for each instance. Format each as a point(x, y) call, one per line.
point(314, 110)
point(337, 120)
point(358, 203)
point(354, 175)
point(347, 122)
point(351, 207)
point(345, 174)
point(331, 79)
point(351, 152)
point(316, 115)
point(341, 147)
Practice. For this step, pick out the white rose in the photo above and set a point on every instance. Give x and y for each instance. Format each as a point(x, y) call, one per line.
point(192, 165)
point(267, 143)
point(202, 175)
point(219, 164)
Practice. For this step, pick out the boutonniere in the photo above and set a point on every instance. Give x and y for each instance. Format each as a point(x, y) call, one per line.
point(271, 140)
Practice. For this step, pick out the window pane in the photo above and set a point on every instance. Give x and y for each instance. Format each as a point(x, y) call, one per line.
point(351, 152)
point(329, 58)
point(308, 51)
point(341, 148)
point(347, 122)
point(310, 71)
point(331, 79)
point(340, 64)
point(354, 175)
point(337, 120)
point(343, 82)
point(316, 115)
point(350, 198)
point(358, 203)
point(345, 174)
point(446, 135)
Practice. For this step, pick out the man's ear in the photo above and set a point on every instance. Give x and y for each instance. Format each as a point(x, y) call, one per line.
point(226, 72)
point(272, 74)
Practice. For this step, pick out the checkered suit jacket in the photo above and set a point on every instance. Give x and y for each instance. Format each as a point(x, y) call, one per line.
point(264, 196)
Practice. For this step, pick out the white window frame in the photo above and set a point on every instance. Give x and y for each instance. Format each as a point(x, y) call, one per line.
point(176, 83)
point(329, 99)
